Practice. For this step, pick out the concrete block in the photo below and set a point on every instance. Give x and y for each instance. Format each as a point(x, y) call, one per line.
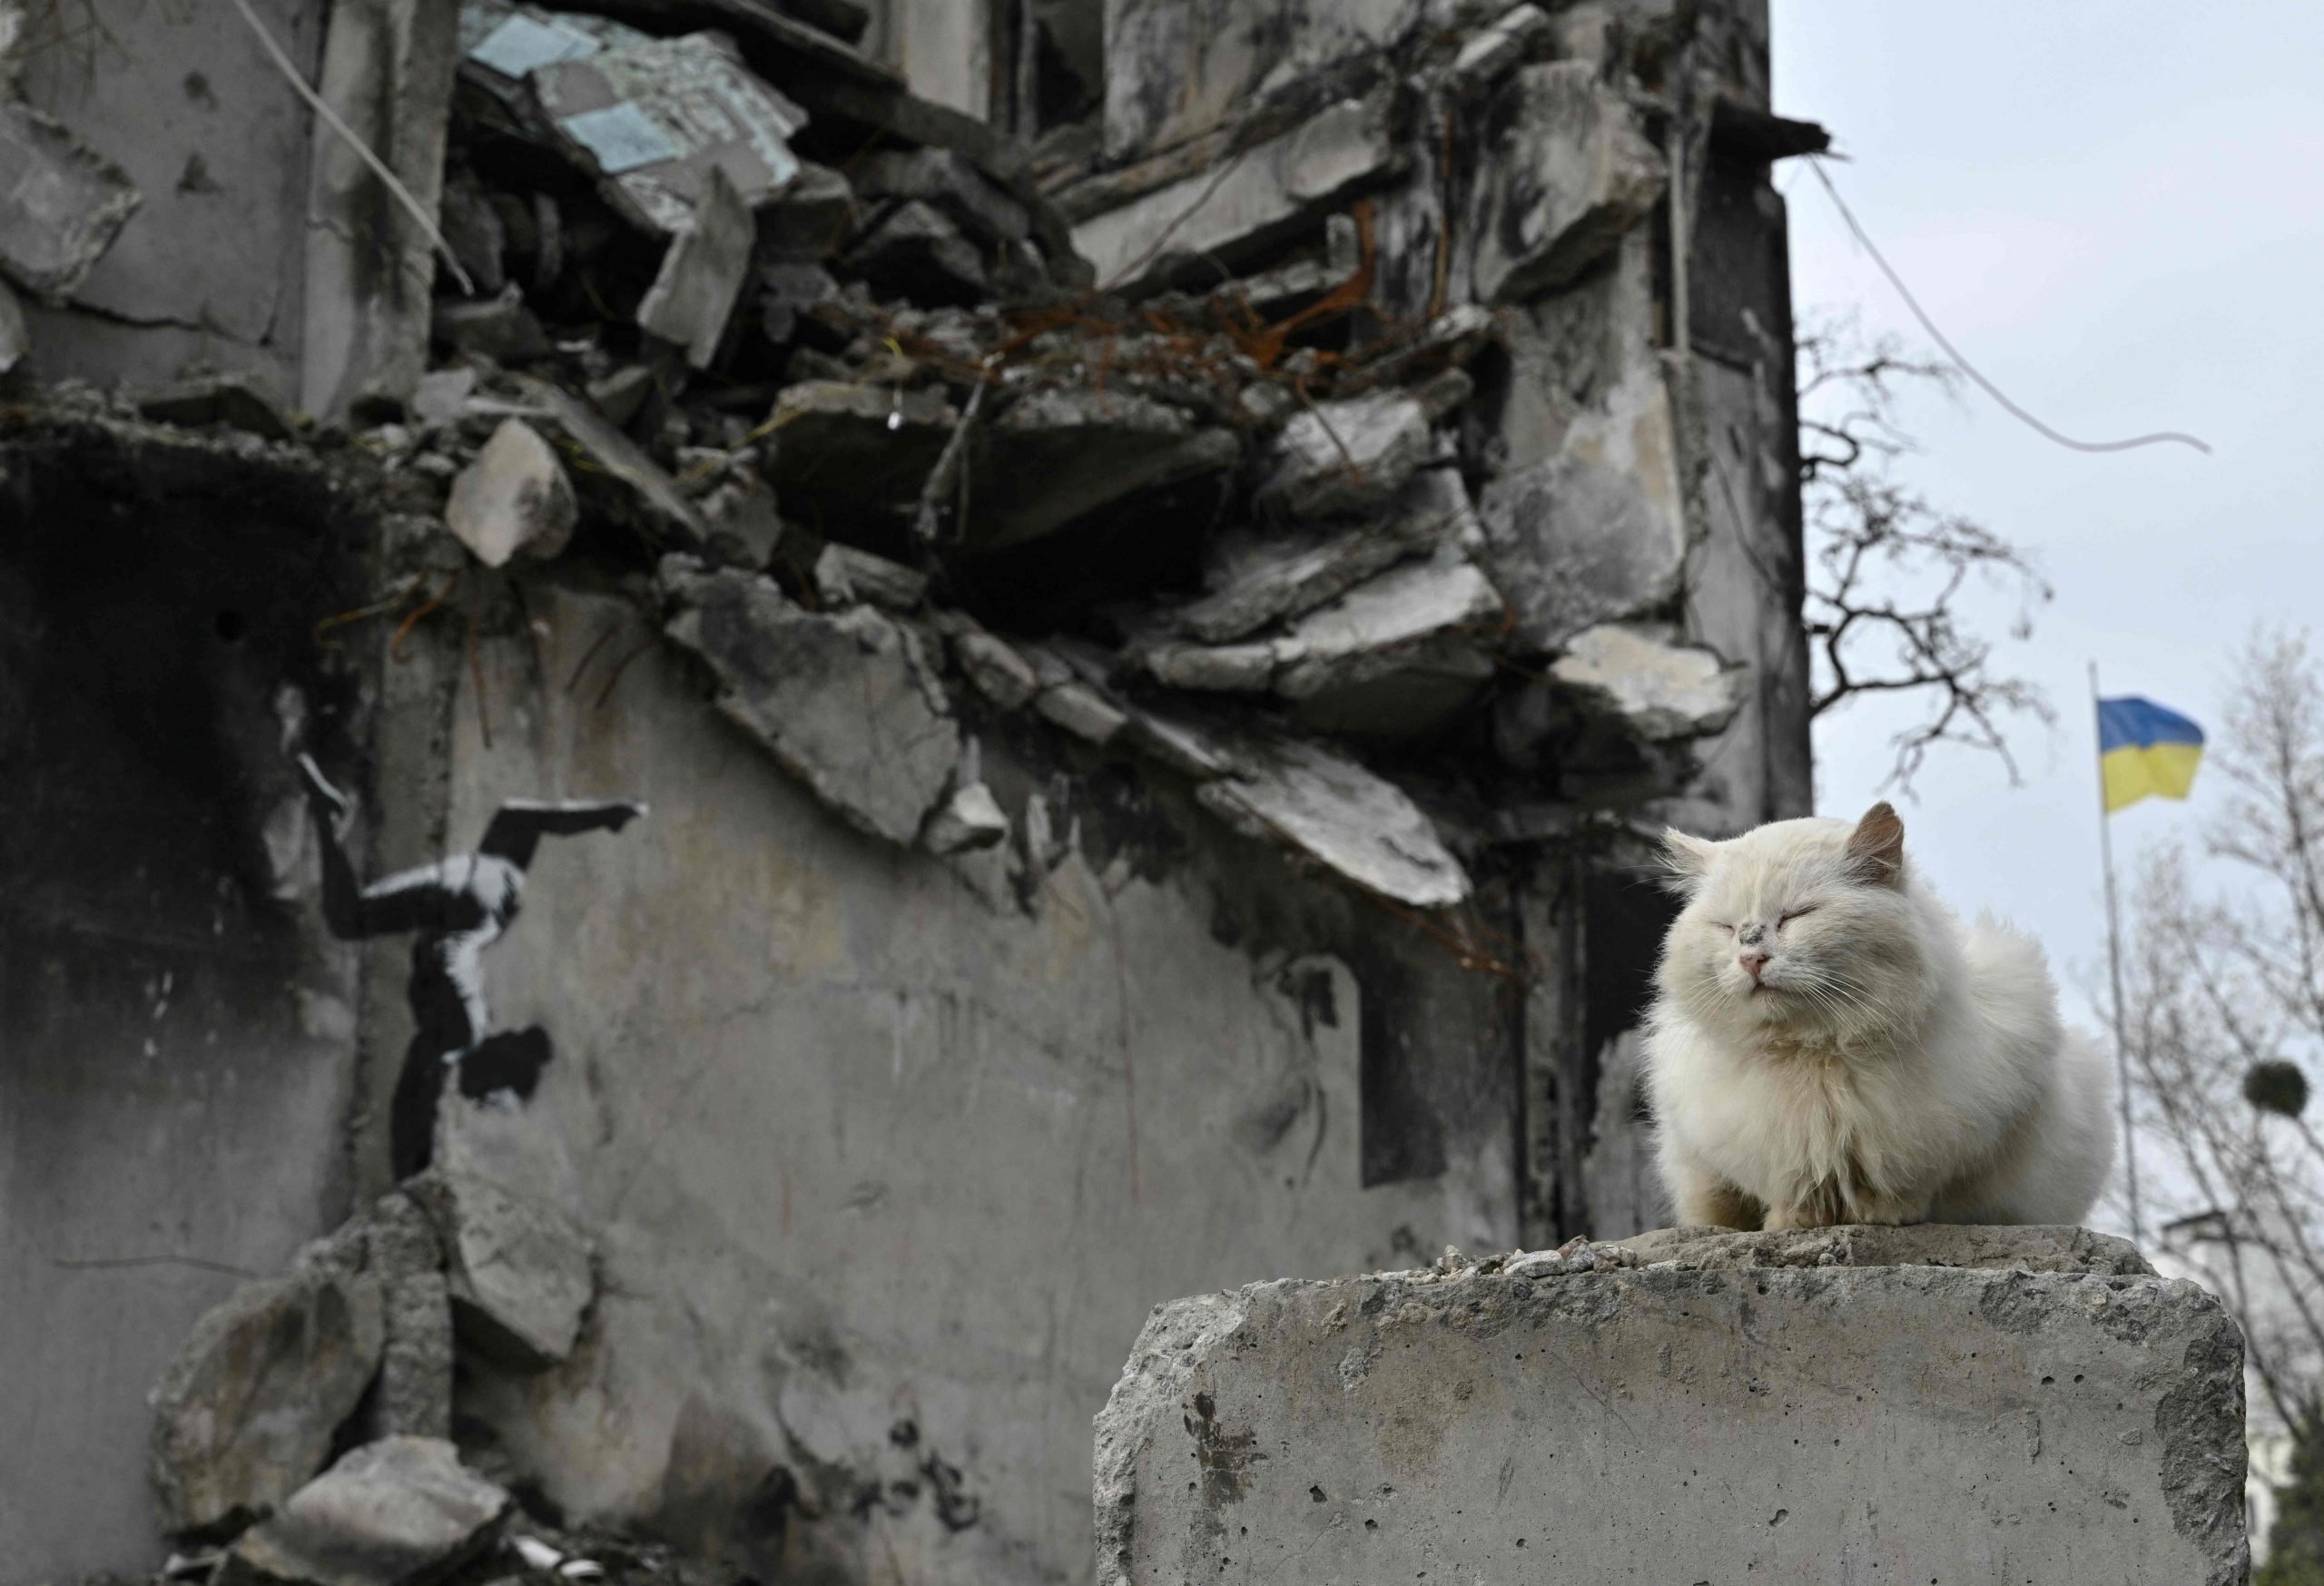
point(1660, 690)
point(399, 1512)
point(66, 203)
point(701, 274)
point(514, 498)
point(1272, 189)
point(848, 703)
point(517, 1270)
point(1569, 172)
point(1692, 1418)
point(1352, 456)
point(247, 1411)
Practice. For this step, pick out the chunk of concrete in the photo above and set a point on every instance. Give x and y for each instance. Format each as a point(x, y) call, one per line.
point(788, 289)
point(1661, 690)
point(515, 496)
point(809, 219)
point(1326, 805)
point(1350, 456)
point(1270, 191)
point(848, 703)
point(238, 400)
point(619, 480)
point(845, 576)
point(1793, 1423)
point(1500, 44)
point(1239, 668)
point(855, 444)
point(519, 1272)
point(246, 1413)
point(701, 274)
point(915, 252)
point(741, 523)
point(1082, 711)
point(413, 1396)
point(65, 204)
point(1059, 455)
point(970, 820)
point(1569, 172)
point(950, 181)
point(2030, 1249)
point(1599, 532)
point(995, 669)
point(1257, 579)
point(652, 119)
point(400, 1512)
point(1376, 626)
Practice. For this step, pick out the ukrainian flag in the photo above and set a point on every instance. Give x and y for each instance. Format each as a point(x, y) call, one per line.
point(2144, 749)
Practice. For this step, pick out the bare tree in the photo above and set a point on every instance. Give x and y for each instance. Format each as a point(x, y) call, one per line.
point(2223, 1001)
point(1887, 569)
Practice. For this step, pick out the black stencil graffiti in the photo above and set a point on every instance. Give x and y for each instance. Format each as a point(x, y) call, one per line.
point(458, 907)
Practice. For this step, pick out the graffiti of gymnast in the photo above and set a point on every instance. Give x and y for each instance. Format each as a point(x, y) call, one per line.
point(459, 906)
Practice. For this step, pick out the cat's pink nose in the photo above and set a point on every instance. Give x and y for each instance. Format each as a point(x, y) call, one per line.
point(1753, 960)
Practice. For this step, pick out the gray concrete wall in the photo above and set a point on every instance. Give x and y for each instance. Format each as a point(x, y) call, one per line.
point(176, 1057)
point(1722, 1409)
point(209, 268)
point(867, 1144)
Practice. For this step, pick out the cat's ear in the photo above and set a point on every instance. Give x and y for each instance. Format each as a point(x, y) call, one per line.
point(1876, 847)
point(1686, 860)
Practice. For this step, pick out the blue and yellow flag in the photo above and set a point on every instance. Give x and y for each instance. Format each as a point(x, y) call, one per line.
point(2144, 750)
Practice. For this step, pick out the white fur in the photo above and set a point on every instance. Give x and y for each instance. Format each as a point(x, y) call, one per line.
point(1896, 1067)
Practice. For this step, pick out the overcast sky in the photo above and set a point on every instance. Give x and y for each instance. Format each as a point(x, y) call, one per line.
point(2117, 214)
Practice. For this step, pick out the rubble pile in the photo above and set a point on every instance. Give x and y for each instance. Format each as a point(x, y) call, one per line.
point(897, 462)
point(304, 1434)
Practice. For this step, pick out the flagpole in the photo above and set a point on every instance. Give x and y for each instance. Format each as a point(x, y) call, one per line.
point(2115, 962)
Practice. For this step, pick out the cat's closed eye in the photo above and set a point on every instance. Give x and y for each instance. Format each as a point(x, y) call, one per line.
point(1788, 915)
point(1721, 925)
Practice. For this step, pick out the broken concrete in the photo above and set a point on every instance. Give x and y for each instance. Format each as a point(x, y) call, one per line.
point(238, 401)
point(1259, 578)
point(1375, 627)
point(516, 1269)
point(845, 576)
point(849, 704)
point(1386, 1427)
point(950, 181)
point(400, 1512)
point(1350, 456)
point(413, 1394)
point(996, 671)
point(514, 498)
point(652, 119)
point(15, 337)
point(970, 820)
point(915, 252)
point(703, 273)
point(619, 479)
point(1598, 533)
point(860, 444)
point(1061, 454)
point(1269, 191)
point(1571, 173)
point(247, 1411)
point(1329, 806)
point(1492, 49)
point(65, 203)
point(1662, 690)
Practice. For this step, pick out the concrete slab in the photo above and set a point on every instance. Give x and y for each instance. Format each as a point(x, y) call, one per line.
point(1679, 1421)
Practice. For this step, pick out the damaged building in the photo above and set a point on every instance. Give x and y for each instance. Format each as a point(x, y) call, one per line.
point(1149, 563)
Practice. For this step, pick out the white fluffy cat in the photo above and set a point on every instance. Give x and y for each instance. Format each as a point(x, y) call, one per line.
point(1829, 1045)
